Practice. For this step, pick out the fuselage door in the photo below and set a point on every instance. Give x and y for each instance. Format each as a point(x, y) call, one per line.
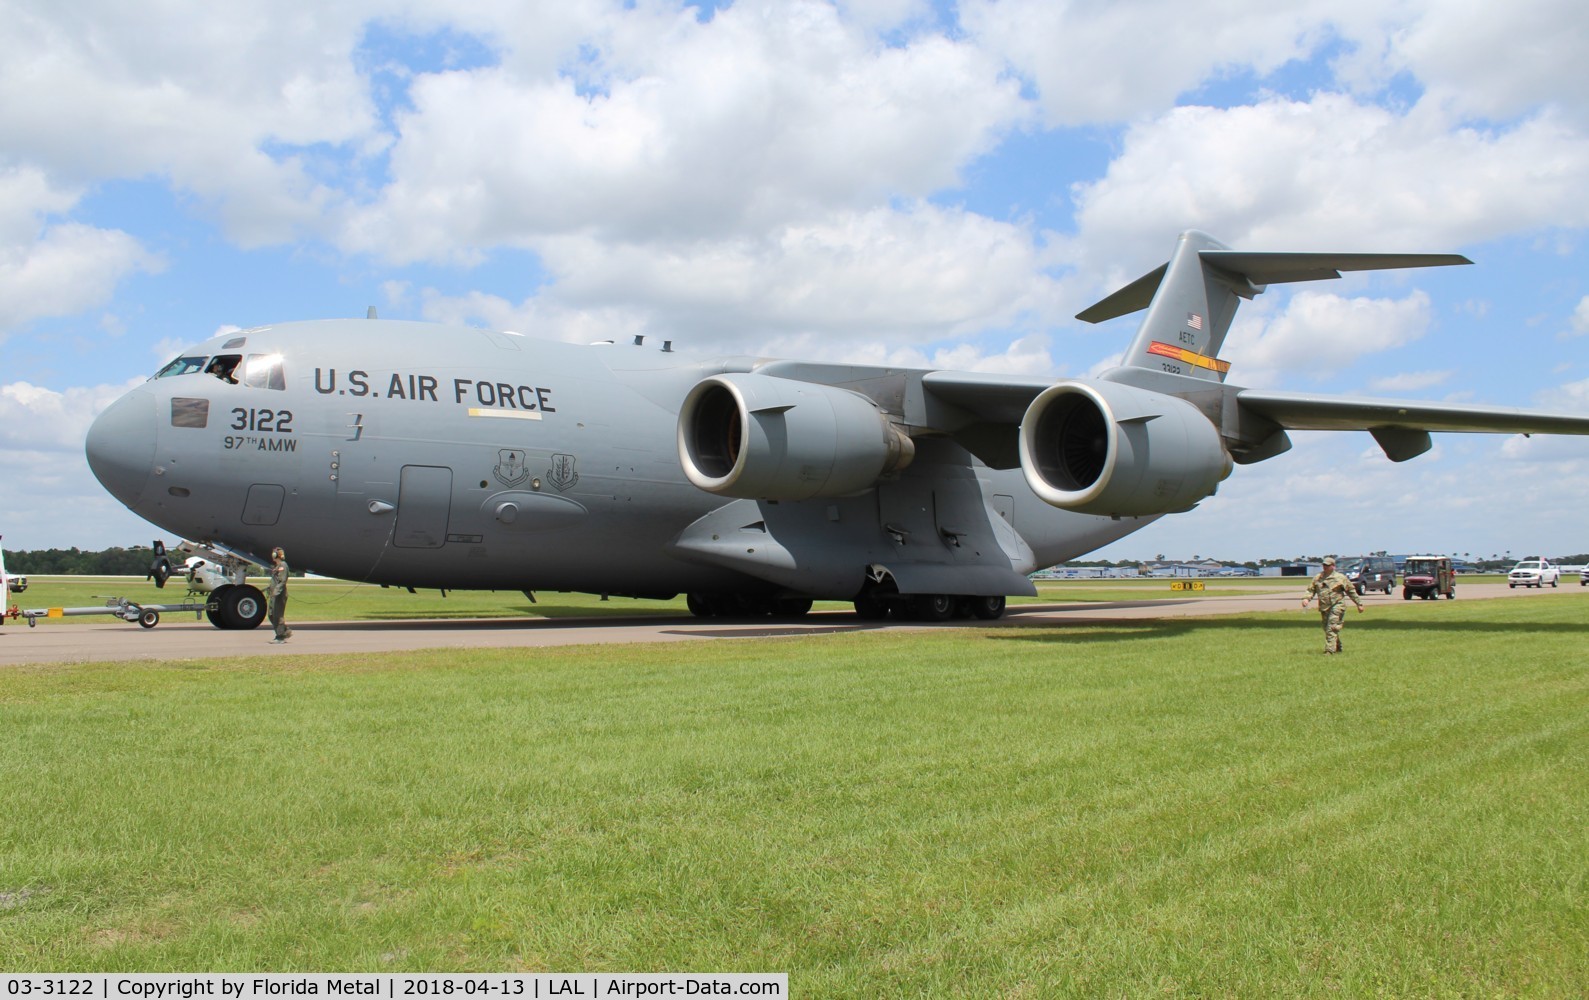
point(263, 504)
point(424, 501)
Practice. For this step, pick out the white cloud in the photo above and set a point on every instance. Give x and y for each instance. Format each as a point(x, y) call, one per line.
point(49, 496)
point(847, 284)
point(1320, 334)
point(1580, 317)
point(192, 93)
point(1103, 63)
point(27, 195)
point(70, 269)
point(1409, 381)
point(1456, 49)
point(765, 114)
point(1572, 397)
point(884, 15)
point(33, 417)
point(1099, 62)
point(56, 269)
point(1330, 174)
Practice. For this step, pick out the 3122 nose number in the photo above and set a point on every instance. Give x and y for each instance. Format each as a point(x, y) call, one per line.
point(265, 421)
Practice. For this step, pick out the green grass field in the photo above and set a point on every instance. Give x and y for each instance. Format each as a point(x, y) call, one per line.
point(1184, 808)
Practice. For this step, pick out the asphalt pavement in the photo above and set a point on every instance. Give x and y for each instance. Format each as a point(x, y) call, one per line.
point(179, 637)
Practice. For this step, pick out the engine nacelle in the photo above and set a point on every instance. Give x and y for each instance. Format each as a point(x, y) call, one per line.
point(1107, 448)
point(758, 437)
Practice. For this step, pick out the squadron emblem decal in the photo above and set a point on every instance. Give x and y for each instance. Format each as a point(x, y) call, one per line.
point(562, 474)
point(510, 469)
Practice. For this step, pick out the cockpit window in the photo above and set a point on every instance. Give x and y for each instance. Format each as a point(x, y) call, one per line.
point(182, 366)
point(224, 367)
point(264, 371)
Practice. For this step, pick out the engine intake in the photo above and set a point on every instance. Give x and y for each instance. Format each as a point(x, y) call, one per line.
point(1107, 448)
point(759, 437)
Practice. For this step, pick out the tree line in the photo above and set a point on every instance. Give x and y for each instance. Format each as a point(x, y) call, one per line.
point(134, 561)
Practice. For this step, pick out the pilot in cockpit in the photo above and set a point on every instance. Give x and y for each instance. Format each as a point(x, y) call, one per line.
point(224, 367)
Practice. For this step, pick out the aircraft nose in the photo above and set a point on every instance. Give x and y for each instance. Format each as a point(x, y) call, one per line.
point(121, 445)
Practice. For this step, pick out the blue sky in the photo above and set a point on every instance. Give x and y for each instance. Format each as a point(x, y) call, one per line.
point(936, 185)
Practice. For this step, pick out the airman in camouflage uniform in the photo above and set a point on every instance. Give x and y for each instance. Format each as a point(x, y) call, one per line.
point(278, 594)
point(1333, 591)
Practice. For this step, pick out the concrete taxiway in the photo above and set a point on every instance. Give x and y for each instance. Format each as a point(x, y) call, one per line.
point(178, 637)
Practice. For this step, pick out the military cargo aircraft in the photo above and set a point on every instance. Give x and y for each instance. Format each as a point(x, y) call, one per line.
point(431, 456)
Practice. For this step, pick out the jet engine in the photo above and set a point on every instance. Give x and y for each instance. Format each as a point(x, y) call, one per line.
point(758, 437)
point(1107, 448)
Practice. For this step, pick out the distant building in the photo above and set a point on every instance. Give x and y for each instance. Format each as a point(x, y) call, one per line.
point(1293, 569)
point(1206, 567)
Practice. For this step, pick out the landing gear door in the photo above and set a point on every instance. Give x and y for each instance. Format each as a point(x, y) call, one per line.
point(424, 501)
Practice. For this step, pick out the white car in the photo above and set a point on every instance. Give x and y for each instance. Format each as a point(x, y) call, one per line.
point(1535, 571)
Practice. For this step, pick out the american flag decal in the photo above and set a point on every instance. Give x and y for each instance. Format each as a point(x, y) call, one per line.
point(1194, 321)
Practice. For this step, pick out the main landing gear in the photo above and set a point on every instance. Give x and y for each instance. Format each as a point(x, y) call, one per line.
point(869, 606)
point(719, 605)
point(927, 607)
point(236, 606)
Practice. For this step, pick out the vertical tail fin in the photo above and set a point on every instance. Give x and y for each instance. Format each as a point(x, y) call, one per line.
point(1191, 300)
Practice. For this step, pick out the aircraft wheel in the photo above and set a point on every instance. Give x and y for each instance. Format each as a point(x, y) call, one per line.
point(934, 607)
point(149, 619)
point(870, 608)
point(243, 607)
point(792, 607)
point(700, 606)
point(212, 608)
point(751, 607)
point(987, 608)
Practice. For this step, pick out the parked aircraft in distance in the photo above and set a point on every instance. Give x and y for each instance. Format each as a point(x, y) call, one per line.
point(5, 586)
point(432, 456)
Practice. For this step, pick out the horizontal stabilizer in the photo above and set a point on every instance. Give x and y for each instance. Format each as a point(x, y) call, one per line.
point(1260, 269)
point(1127, 300)
point(1278, 268)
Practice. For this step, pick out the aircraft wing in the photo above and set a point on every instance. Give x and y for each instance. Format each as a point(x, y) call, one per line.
point(1401, 427)
point(995, 404)
point(994, 398)
point(1004, 398)
point(1301, 411)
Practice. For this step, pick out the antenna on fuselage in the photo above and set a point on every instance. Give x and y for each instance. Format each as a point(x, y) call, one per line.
point(371, 314)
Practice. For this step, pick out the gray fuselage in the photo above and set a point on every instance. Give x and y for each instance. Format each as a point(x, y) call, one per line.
point(431, 456)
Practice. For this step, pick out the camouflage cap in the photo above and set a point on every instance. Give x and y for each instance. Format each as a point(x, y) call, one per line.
point(1329, 560)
